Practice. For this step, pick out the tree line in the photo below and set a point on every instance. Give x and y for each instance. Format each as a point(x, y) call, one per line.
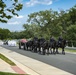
point(49, 23)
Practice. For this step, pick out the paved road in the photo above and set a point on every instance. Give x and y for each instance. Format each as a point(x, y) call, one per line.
point(65, 62)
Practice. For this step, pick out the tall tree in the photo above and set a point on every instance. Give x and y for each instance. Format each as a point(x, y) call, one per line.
point(72, 13)
point(71, 32)
point(4, 33)
point(4, 8)
point(47, 21)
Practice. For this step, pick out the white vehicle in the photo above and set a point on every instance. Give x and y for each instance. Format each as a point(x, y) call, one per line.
point(12, 43)
point(1, 42)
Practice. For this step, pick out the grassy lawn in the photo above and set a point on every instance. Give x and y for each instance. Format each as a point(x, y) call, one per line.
point(7, 60)
point(68, 50)
point(6, 73)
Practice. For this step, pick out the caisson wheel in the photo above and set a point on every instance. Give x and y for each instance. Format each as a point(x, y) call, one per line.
point(19, 45)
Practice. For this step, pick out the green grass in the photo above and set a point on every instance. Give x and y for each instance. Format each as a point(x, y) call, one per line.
point(7, 60)
point(68, 50)
point(6, 73)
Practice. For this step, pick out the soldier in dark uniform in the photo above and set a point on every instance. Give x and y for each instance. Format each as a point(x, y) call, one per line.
point(60, 39)
point(52, 39)
point(35, 39)
point(42, 39)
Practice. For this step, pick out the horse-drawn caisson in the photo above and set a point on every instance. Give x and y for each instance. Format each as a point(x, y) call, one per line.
point(22, 43)
point(43, 46)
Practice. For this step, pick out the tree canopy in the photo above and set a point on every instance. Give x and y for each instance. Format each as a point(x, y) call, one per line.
point(51, 23)
point(12, 10)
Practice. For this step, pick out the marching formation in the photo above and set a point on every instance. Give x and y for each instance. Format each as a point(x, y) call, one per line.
point(43, 46)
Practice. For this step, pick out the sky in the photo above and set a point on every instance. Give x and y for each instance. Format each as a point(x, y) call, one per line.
point(31, 6)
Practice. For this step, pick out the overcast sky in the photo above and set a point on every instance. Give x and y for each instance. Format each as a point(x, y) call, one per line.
point(30, 6)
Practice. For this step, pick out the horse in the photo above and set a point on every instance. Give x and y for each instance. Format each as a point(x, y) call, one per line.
point(61, 44)
point(45, 47)
point(41, 45)
point(28, 45)
point(52, 45)
point(35, 45)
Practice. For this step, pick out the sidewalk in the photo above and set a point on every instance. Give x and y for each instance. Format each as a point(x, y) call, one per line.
point(31, 66)
point(4, 67)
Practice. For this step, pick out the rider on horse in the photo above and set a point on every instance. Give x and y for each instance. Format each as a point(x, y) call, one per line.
point(42, 40)
point(35, 38)
point(60, 39)
point(52, 39)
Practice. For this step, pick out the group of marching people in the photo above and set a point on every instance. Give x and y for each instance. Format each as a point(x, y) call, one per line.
point(42, 46)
